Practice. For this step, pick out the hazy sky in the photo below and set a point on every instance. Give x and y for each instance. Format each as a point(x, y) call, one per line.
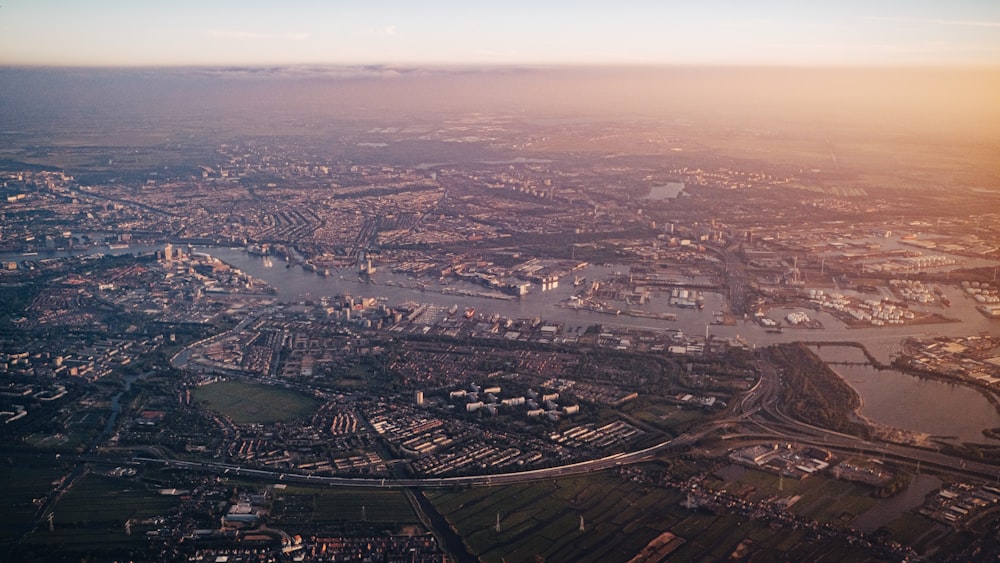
point(249, 32)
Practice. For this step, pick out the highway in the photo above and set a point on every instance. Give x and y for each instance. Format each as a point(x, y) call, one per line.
point(679, 443)
point(761, 407)
point(734, 278)
point(758, 414)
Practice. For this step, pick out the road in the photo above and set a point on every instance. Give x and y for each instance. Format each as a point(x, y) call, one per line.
point(679, 443)
point(761, 407)
point(734, 278)
point(758, 413)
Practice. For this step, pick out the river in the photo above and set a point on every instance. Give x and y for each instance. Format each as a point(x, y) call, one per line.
point(945, 410)
point(294, 283)
point(890, 397)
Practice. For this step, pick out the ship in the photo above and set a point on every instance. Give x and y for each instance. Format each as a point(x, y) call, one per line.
point(452, 310)
point(256, 250)
point(578, 281)
point(470, 312)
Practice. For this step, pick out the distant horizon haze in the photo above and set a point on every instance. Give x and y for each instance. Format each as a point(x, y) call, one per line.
point(665, 90)
point(947, 118)
point(444, 32)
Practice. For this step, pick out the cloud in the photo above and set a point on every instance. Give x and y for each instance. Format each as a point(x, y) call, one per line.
point(255, 36)
point(233, 34)
point(742, 23)
point(967, 23)
point(322, 71)
point(960, 23)
point(493, 54)
point(385, 31)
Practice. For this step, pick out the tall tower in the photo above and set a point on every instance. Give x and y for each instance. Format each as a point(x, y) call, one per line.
point(420, 398)
point(168, 252)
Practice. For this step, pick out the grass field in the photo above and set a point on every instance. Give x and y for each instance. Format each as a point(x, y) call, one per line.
point(92, 515)
point(542, 521)
point(254, 403)
point(80, 429)
point(23, 479)
point(296, 506)
point(667, 416)
point(822, 498)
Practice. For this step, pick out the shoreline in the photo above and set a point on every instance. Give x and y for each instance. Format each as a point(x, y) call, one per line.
point(879, 429)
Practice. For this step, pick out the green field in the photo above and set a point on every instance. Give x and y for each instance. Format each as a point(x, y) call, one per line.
point(254, 403)
point(79, 429)
point(541, 521)
point(23, 480)
point(666, 416)
point(91, 516)
point(821, 498)
point(296, 506)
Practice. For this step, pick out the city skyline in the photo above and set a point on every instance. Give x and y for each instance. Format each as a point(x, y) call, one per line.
point(773, 33)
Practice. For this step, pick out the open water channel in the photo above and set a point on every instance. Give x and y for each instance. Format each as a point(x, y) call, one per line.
point(947, 411)
point(890, 397)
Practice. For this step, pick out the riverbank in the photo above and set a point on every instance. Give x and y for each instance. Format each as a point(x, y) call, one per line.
point(921, 414)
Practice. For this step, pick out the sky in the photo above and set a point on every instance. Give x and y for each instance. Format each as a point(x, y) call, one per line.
point(511, 32)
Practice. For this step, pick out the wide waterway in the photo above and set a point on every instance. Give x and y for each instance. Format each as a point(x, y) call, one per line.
point(670, 190)
point(890, 397)
point(295, 283)
point(945, 410)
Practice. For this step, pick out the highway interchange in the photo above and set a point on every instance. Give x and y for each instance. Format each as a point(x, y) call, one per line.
point(758, 418)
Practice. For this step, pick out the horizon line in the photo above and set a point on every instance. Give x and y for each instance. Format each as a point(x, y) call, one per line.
point(388, 66)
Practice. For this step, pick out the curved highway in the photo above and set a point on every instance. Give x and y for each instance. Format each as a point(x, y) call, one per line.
point(760, 407)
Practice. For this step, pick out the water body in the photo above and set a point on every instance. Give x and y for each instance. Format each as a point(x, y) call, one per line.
point(518, 160)
point(954, 412)
point(45, 254)
point(897, 242)
point(295, 284)
point(890, 397)
point(452, 542)
point(670, 190)
point(888, 510)
point(109, 427)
